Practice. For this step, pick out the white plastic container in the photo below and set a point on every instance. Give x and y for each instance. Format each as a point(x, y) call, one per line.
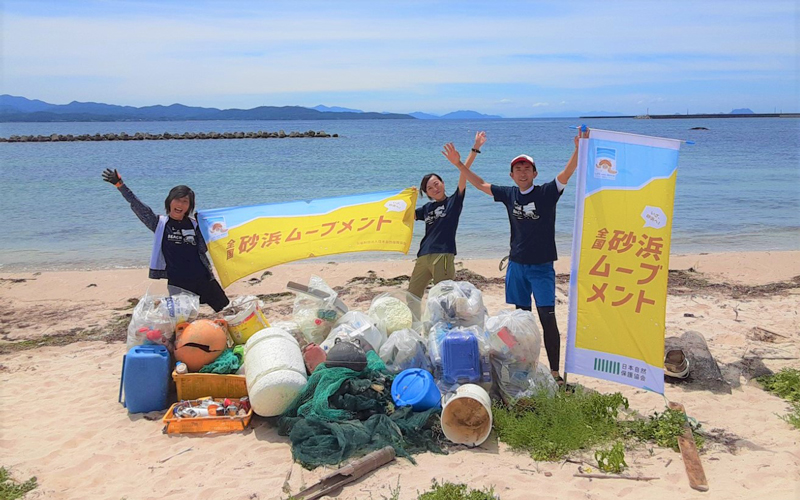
point(274, 371)
point(467, 416)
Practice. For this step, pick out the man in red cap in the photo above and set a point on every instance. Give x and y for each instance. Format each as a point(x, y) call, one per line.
point(532, 216)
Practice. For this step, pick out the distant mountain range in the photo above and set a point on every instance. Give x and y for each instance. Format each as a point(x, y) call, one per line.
point(455, 115)
point(21, 109)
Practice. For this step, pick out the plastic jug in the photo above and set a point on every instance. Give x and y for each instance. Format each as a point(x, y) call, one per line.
point(461, 360)
point(145, 378)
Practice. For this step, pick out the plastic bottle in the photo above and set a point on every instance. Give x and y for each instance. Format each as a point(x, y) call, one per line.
point(181, 368)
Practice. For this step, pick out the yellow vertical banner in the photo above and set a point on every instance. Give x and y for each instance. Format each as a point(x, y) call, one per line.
point(620, 258)
point(244, 240)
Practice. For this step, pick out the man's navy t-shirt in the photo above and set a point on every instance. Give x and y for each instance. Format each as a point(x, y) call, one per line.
point(533, 221)
point(441, 222)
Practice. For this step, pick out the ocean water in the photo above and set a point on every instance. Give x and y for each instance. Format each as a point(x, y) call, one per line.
point(738, 187)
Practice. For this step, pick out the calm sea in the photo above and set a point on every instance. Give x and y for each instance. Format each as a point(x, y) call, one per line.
point(738, 186)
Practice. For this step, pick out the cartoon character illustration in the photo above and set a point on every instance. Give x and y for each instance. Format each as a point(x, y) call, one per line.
point(606, 165)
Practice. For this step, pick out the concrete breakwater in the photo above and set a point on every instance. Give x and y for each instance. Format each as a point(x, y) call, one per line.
point(166, 136)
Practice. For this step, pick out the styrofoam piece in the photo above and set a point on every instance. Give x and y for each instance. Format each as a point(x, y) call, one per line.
point(274, 370)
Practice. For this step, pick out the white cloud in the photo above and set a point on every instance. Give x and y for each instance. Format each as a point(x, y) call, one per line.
point(146, 58)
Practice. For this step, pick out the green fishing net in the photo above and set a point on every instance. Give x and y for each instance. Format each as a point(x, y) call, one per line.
point(226, 363)
point(342, 413)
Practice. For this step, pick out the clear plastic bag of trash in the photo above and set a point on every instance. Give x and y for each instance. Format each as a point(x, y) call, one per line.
point(457, 303)
point(395, 311)
point(355, 324)
point(518, 380)
point(316, 316)
point(515, 335)
point(154, 318)
point(292, 328)
point(515, 344)
point(405, 349)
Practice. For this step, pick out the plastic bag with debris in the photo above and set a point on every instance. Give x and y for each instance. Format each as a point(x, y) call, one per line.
point(405, 349)
point(154, 318)
point(292, 328)
point(355, 324)
point(457, 303)
point(515, 344)
point(395, 311)
point(315, 311)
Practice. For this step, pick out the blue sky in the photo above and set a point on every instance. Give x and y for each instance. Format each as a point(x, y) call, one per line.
point(515, 59)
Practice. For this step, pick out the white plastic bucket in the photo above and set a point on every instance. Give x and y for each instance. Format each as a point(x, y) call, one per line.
point(274, 371)
point(467, 416)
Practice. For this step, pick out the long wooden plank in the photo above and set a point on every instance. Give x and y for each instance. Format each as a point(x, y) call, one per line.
point(691, 460)
point(348, 473)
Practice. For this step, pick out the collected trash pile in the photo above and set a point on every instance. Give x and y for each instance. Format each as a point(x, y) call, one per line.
point(344, 383)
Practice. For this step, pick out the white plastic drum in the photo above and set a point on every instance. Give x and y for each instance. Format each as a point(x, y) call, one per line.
point(274, 371)
point(467, 416)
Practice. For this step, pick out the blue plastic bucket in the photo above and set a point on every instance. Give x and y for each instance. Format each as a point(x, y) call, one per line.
point(415, 387)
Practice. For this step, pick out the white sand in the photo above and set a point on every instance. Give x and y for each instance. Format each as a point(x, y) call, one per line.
point(60, 420)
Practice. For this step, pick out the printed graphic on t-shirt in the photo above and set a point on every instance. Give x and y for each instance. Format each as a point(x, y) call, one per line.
point(527, 211)
point(181, 236)
point(435, 214)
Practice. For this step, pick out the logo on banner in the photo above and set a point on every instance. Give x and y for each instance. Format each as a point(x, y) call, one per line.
point(605, 166)
point(217, 228)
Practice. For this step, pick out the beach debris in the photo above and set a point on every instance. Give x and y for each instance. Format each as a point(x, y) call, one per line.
point(691, 460)
point(348, 474)
point(763, 335)
point(675, 364)
point(614, 476)
point(704, 373)
point(175, 455)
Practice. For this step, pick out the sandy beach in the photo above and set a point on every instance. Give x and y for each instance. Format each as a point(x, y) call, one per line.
point(62, 341)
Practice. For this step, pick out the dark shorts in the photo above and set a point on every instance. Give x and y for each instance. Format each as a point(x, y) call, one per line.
point(522, 280)
point(209, 291)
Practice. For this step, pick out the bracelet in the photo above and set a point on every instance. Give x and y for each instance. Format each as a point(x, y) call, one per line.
point(476, 150)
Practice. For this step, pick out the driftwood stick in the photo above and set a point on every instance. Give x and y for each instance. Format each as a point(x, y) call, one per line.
point(613, 476)
point(175, 455)
point(691, 460)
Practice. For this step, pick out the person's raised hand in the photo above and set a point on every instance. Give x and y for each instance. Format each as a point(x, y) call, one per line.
point(451, 153)
point(480, 139)
point(583, 133)
point(111, 176)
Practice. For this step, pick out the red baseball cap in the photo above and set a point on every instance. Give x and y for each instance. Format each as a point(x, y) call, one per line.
point(522, 158)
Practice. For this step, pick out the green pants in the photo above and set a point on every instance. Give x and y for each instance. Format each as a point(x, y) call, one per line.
point(435, 266)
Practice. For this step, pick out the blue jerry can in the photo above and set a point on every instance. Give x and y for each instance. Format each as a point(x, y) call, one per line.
point(145, 378)
point(461, 358)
